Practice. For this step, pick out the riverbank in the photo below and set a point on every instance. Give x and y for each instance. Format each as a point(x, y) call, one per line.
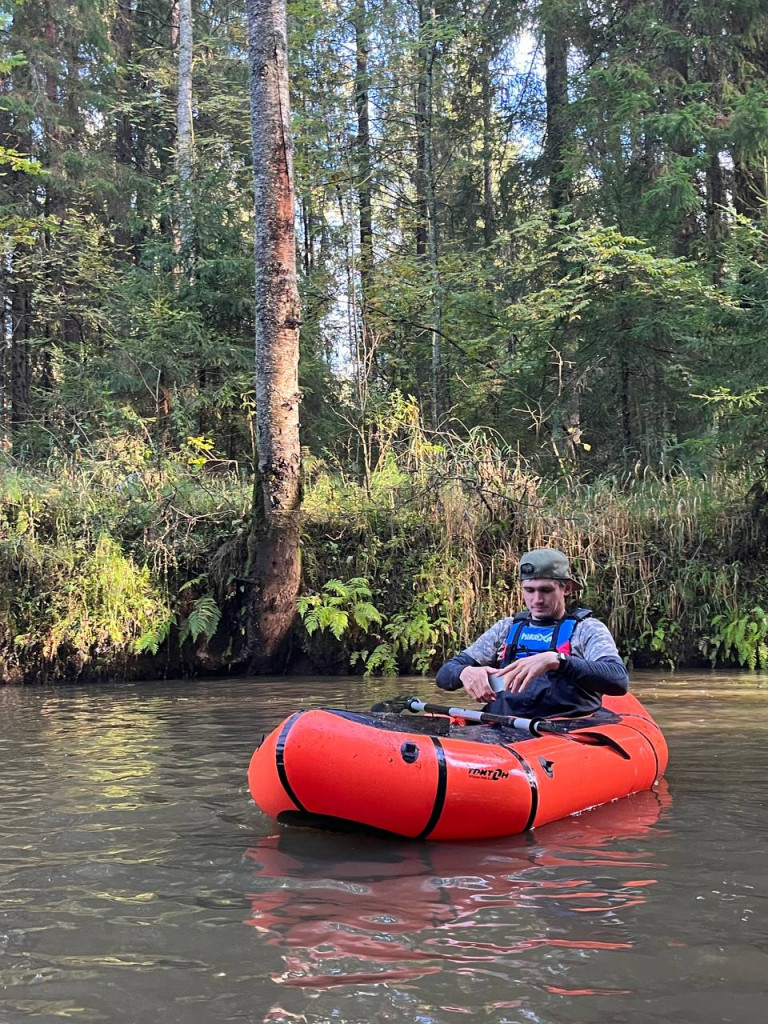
point(121, 565)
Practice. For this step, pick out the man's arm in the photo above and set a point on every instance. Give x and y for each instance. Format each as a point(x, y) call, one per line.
point(607, 675)
point(595, 663)
point(449, 675)
point(482, 652)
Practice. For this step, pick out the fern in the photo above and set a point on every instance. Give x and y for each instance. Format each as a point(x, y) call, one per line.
point(151, 639)
point(203, 620)
point(328, 617)
point(338, 606)
point(365, 615)
point(382, 659)
point(744, 638)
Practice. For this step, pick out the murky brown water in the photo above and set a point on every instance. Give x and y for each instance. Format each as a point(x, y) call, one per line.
point(139, 883)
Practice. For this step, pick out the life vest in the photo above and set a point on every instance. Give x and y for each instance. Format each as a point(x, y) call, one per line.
point(526, 637)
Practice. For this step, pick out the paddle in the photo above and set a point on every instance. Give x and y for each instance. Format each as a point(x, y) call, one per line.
point(535, 726)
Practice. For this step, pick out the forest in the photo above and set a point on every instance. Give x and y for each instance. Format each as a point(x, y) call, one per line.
point(530, 250)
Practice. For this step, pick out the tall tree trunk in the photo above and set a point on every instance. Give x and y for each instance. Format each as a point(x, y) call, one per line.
point(556, 80)
point(566, 419)
point(486, 86)
point(716, 199)
point(363, 157)
point(21, 370)
point(22, 196)
point(716, 224)
point(427, 55)
point(184, 136)
point(422, 215)
point(307, 227)
point(626, 410)
point(274, 560)
point(7, 141)
point(123, 42)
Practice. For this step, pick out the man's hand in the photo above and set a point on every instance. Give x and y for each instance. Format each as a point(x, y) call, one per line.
point(520, 673)
point(476, 681)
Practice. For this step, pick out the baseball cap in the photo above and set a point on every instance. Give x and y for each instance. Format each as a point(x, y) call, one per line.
point(546, 564)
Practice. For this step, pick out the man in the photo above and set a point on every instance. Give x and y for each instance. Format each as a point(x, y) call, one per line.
point(545, 661)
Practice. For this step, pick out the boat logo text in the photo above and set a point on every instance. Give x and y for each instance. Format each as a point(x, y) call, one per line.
point(488, 773)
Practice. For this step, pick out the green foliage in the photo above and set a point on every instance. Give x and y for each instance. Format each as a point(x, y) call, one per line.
point(99, 604)
point(414, 638)
point(597, 377)
point(100, 555)
point(153, 637)
point(411, 637)
point(18, 162)
point(661, 555)
point(202, 621)
point(662, 638)
point(339, 606)
point(743, 638)
point(123, 334)
point(115, 560)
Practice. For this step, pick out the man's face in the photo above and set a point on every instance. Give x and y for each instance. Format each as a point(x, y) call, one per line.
point(545, 599)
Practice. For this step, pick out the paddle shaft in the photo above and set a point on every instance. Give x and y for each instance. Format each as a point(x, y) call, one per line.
point(535, 726)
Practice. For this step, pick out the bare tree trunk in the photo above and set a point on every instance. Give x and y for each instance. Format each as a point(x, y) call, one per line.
point(307, 227)
point(489, 213)
point(716, 223)
point(7, 141)
point(21, 369)
point(556, 65)
point(184, 135)
point(420, 233)
point(566, 417)
point(364, 169)
point(427, 54)
point(716, 197)
point(123, 40)
point(275, 562)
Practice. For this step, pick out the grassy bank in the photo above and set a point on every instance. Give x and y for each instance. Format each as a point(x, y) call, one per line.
point(119, 564)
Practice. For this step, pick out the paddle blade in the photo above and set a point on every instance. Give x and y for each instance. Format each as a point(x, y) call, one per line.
point(395, 706)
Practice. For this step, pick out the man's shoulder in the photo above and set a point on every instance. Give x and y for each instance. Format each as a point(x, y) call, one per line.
point(594, 634)
point(590, 625)
point(486, 645)
point(502, 624)
point(577, 611)
point(588, 617)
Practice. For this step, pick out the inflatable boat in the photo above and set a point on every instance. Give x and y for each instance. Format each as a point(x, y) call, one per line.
point(442, 776)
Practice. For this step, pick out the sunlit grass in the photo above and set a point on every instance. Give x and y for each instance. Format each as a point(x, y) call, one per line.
point(119, 554)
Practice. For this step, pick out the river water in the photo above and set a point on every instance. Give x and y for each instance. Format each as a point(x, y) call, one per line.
point(139, 883)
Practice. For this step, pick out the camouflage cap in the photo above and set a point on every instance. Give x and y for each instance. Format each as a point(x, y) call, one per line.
point(546, 564)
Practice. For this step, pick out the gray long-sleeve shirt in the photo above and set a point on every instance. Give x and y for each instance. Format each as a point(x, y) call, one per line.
point(593, 668)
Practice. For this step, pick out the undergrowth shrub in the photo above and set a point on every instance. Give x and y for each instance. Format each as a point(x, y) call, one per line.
point(105, 563)
point(118, 562)
point(668, 561)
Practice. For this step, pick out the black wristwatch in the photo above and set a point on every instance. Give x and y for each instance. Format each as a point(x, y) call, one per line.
point(561, 660)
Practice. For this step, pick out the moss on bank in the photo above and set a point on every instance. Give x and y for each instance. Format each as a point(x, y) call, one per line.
point(120, 565)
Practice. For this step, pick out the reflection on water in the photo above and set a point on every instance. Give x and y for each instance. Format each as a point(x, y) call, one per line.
point(339, 905)
point(138, 881)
